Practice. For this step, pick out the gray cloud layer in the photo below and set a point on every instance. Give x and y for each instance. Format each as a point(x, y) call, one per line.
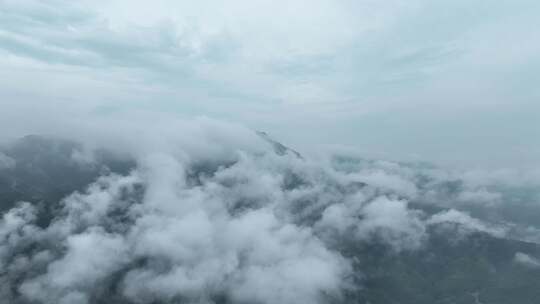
point(367, 74)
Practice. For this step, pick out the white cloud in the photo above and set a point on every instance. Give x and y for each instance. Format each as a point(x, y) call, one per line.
point(177, 240)
point(211, 211)
point(394, 222)
point(480, 196)
point(91, 257)
point(526, 260)
point(6, 162)
point(386, 180)
point(464, 223)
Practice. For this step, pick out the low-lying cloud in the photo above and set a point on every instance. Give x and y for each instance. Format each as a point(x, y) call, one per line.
point(210, 214)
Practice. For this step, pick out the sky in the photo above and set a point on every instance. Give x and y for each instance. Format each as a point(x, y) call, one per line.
point(450, 82)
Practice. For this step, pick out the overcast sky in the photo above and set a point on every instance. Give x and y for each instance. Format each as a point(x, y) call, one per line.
point(454, 82)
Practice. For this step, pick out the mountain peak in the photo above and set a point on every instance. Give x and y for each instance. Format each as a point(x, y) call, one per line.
point(278, 147)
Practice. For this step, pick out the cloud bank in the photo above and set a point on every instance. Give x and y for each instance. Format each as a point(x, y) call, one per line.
point(211, 214)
